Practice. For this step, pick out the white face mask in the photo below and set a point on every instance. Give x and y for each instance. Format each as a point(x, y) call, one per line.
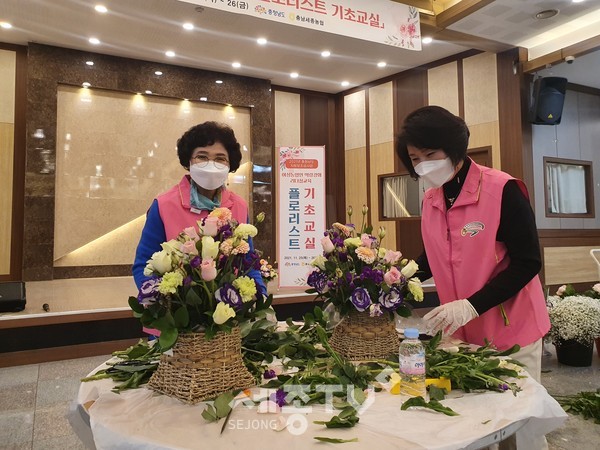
point(435, 173)
point(209, 177)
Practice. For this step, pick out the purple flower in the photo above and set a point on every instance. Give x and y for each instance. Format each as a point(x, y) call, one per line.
point(187, 281)
point(503, 387)
point(269, 373)
point(278, 397)
point(317, 280)
point(375, 310)
point(148, 292)
point(225, 231)
point(195, 262)
point(227, 294)
point(391, 300)
point(376, 276)
point(360, 299)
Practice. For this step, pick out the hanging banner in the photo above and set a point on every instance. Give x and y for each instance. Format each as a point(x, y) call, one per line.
point(300, 211)
point(380, 21)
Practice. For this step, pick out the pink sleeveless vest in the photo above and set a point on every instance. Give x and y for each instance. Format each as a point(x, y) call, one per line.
point(174, 208)
point(463, 255)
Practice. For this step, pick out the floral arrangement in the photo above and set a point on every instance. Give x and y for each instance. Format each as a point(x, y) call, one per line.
point(574, 317)
point(201, 280)
point(355, 272)
point(567, 290)
point(267, 271)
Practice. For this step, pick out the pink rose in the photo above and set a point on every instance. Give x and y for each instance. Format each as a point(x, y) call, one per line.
point(189, 247)
point(328, 246)
point(392, 276)
point(208, 270)
point(561, 290)
point(211, 226)
point(392, 257)
point(192, 233)
point(367, 240)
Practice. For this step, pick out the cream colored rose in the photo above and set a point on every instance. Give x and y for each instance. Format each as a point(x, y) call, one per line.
point(223, 312)
point(414, 286)
point(410, 269)
point(210, 248)
point(319, 262)
point(171, 246)
point(159, 263)
point(352, 242)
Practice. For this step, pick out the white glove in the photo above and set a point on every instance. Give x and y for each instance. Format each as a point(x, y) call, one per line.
point(449, 317)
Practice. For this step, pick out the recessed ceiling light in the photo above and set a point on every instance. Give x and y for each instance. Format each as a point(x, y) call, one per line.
point(325, 53)
point(261, 41)
point(294, 75)
point(546, 14)
point(89, 63)
point(203, 99)
point(101, 9)
point(170, 53)
point(5, 25)
point(85, 84)
point(236, 65)
point(219, 81)
point(427, 40)
point(157, 73)
point(94, 41)
point(345, 83)
point(188, 26)
point(148, 91)
point(381, 64)
point(578, 1)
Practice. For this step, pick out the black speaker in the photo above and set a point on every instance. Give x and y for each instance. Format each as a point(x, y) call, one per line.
point(12, 296)
point(548, 100)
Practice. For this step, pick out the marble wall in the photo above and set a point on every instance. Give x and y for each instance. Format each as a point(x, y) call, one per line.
point(49, 67)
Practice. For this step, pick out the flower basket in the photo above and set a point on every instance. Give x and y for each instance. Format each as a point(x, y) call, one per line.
point(362, 337)
point(199, 369)
point(574, 353)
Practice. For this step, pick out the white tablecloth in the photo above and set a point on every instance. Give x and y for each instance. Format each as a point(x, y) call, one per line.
point(142, 419)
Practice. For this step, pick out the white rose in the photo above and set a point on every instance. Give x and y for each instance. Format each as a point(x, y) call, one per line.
point(171, 246)
point(210, 248)
point(223, 313)
point(596, 287)
point(410, 269)
point(159, 263)
point(319, 262)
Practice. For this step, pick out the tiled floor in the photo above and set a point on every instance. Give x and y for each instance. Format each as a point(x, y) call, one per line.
point(35, 400)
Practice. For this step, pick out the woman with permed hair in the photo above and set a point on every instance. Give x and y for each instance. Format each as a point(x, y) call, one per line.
point(480, 239)
point(209, 151)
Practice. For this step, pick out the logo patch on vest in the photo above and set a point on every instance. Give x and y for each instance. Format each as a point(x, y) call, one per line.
point(472, 228)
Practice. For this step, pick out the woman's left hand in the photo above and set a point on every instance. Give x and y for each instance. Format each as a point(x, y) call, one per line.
point(449, 317)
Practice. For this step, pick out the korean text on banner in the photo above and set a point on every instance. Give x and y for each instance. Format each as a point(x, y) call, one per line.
point(301, 211)
point(380, 21)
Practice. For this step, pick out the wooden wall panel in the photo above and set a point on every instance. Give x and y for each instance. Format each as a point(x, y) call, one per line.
point(287, 123)
point(381, 114)
point(356, 180)
point(443, 87)
point(480, 89)
point(6, 194)
point(382, 158)
point(564, 265)
point(484, 135)
point(355, 120)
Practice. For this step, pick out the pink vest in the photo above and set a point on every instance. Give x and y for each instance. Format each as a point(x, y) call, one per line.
point(174, 208)
point(464, 255)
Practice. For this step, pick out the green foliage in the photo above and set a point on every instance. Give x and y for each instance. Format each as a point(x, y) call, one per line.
point(346, 419)
point(434, 405)
point(586, 404)
point(334, 440)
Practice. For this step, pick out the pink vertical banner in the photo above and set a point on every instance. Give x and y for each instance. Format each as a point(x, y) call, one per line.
point(301, 213)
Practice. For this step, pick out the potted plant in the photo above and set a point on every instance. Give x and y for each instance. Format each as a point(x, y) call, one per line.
point(575, 323)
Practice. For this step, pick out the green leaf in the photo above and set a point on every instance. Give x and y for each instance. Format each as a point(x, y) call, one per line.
point(168, 338)
point(223, 404)
point(334, 441)
point(436, 393)
point(209, 414)
point(181, 317)
point(434, 405)
point(346, 419)
point(135, 305)
point(192, 298)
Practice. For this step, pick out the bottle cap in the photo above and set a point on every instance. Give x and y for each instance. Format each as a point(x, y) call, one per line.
point(411, 333)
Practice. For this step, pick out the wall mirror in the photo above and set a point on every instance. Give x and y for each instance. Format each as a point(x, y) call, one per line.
point(568, 188)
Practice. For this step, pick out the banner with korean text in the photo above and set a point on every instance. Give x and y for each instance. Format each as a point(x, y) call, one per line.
point(380, 21)
point(300, 211)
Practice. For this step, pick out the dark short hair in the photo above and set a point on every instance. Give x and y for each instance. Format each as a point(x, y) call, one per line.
point(433, 127)
point(205, 134)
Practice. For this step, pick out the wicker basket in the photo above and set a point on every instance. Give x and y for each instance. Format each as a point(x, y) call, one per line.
point(201, 369)
point(361, 337)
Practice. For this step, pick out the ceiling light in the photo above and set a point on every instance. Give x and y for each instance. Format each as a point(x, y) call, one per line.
point(427, 40)
point(236, 65)
point(89, 63)
point(261, 41)
point(148, 92)
point(188, 26)
point(325, 53)
point(85, 84)
point(219, 81)
point(94, 41)
point(578, 1)
point(546, 14)
point(294, 75)
point(381, 64)
point(170, 53)
point(5, 25)
point(345, 83)
point(203, 99)
point(157, 73)
point(101, 9)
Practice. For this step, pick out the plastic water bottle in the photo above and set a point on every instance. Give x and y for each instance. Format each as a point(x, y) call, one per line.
point(412, 364)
